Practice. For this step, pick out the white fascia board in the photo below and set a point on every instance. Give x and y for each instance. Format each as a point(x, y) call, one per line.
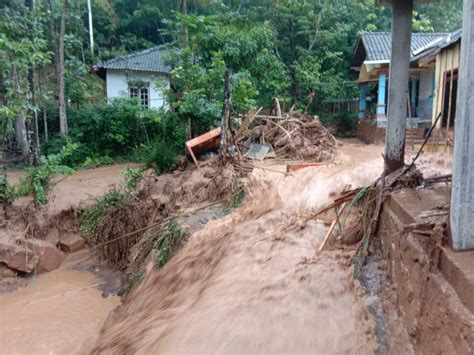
point(373, 62)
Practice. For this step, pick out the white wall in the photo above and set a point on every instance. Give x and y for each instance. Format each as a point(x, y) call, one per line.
point(426, 83)
point(425, 98)
point(117, 84)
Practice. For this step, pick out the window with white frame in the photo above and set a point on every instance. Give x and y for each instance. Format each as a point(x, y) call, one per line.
point(141, 92)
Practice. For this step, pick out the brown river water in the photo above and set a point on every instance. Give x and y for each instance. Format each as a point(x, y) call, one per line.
point(251, 282)
point(56, 312)
point(248, 283)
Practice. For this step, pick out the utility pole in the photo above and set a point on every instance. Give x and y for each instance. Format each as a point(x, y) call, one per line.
point(398, 86)
point(91, 30)
point(462, 193)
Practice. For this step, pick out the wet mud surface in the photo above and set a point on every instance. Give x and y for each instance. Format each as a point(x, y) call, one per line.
point(245, 282)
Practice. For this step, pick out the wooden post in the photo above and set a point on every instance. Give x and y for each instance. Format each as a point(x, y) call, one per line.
point(331, 228)
point(448, 121)
point(277, 106)
point(411, 122)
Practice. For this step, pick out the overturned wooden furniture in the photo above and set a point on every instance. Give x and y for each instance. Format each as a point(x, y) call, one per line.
point(205, 142)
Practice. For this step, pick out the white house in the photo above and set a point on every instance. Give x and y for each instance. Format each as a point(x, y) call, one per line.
point(144, 75)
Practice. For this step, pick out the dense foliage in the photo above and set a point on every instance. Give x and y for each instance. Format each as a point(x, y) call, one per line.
point(292, 50)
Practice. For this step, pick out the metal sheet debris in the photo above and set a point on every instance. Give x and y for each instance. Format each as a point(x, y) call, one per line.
point(259, 151)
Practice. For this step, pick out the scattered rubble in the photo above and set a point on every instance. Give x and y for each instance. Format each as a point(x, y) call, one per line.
point(293, 136)
point(33, 240)
point(289, 136)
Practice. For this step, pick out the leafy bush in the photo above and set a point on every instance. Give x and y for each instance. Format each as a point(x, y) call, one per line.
point(141, 153)
point(132, 179)
point(115, 128)
point(38, 178)
point(163, 157)
point(346, 123)
point(7, 193)
point(115, 214)
point(96, 161)
point(92, 216)
point(105, 131)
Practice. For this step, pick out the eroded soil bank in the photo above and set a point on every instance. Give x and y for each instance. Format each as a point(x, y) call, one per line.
point(55, 312)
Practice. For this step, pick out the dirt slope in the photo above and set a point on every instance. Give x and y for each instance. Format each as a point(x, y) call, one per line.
point(251, 282)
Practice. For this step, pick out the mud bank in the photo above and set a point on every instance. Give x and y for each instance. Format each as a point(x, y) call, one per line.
point(54, 293)
point(433, 285)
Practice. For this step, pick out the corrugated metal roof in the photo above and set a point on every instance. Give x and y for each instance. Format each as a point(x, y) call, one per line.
point(260, 151)
point(378, 44)
point(436, 46)
point(152, 59)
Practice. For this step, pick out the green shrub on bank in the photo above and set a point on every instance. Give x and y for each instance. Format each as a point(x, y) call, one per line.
point(121, 130)
point(8, 193)
point(162, 157)
point(114, 128)
point(96, 161)
point(345, 123)
point(39, 177)
point(92, 217)
point(168, 241)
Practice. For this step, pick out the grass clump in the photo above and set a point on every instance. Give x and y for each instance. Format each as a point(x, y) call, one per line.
point(115, 214)
point(37, 182)
point(238, 194)
point(168, 241)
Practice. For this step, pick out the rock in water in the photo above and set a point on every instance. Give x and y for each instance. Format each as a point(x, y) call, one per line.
point(16, 255)
point(6, 272)
point(71, 242)
point(49, 255)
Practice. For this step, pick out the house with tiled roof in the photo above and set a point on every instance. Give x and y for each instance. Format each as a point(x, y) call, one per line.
point(143, 75)
point(434, 60)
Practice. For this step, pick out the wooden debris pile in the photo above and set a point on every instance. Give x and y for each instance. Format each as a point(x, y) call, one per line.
point(368, 202)
point(290, 136)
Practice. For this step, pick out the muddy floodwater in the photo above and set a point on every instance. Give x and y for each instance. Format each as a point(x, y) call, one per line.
point(55, 314)
point(249, 282)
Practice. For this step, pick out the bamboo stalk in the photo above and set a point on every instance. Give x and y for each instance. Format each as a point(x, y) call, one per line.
point(331, 228)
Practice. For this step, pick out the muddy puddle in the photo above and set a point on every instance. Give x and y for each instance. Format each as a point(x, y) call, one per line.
point(57, 312)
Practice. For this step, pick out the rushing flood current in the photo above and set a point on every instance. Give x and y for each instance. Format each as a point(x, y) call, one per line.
point(248, 283)
point(251, 282)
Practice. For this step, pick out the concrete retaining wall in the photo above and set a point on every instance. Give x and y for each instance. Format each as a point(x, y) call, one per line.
point(434, 291)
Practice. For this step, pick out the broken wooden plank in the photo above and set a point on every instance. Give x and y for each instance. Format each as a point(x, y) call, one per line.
point(331, 228)
point(248, 120)
point(295, 167)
